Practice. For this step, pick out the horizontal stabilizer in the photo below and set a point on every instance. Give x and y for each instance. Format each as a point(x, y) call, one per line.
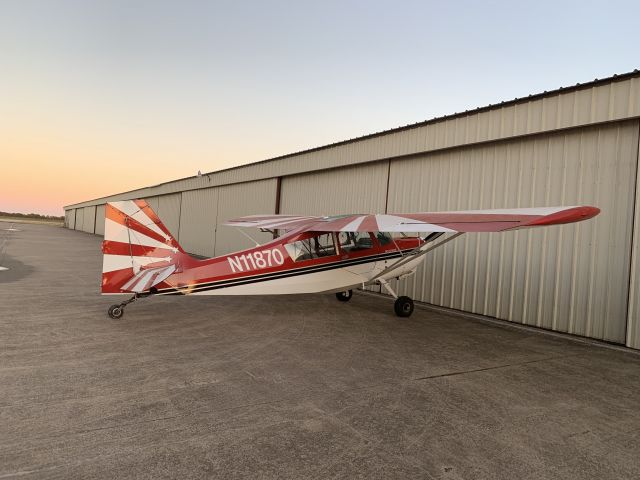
point(145, 279)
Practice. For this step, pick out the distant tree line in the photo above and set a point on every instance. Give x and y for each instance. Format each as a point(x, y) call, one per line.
point(35, 216)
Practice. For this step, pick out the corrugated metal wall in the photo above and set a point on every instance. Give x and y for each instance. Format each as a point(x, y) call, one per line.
point(570, 278)
point(70, 218)
point(100, 220)
point(79, 219)
point(360, 189)
point(169, 212)
point(198, 221)
point(236, 201)
point(89, 218)
point(153, 203)
point(633, 328)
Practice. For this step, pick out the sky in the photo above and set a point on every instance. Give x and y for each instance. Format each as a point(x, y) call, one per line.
point(100, 97)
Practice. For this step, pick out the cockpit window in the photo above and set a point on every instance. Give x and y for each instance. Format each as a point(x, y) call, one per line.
point(354, 241)
point(383, 238)
point(315, 247)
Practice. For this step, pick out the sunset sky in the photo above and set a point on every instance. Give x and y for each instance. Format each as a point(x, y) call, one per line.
point(98, 97)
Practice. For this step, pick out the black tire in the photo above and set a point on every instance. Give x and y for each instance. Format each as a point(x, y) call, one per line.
point(116, 311)
point(403, 306)
point(344, 296)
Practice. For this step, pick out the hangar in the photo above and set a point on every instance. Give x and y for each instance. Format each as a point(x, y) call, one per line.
point(577, 145)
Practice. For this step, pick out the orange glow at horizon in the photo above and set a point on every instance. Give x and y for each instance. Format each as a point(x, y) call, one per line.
point(41, 173)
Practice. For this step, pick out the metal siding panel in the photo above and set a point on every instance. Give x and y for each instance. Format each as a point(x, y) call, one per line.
point(249, 198)
point(471, 130)
point(621, 101)
point(508, 115)
point(600, 103)
point(582, 110)
point(198, 221)
point(69, 218)
point(535, 113)
point(89, 219)
point(79, 219)
point(484, 125)
point(169, 212)
point(153, 203)
point(566, 109)
point(570, 278)
point(100, 220)
point(521, 119)
point(634, 97)
point(346, 190)
point(550, 113)
point(633, 318)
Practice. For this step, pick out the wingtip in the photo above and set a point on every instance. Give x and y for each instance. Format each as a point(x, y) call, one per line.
point(570, 215)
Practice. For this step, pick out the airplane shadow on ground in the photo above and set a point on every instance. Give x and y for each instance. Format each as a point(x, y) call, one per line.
point(17, 269)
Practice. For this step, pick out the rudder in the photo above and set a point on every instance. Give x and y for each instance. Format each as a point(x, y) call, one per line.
point(138, 249)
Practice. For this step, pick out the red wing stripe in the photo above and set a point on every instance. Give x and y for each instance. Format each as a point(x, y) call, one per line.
point(339, 223)
point(369, 224)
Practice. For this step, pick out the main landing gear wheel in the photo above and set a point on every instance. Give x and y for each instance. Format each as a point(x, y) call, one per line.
point(344, 296)
point(116, 311)
point(403, 306)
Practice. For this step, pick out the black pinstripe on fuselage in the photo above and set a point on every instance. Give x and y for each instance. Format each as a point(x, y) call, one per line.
point(246, 280)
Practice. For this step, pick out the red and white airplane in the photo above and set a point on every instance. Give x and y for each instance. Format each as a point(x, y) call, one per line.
point(311, 255)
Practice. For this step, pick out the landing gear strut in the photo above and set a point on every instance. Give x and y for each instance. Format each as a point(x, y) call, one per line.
point(403, 305)
point(117, 311)
point(344, 296)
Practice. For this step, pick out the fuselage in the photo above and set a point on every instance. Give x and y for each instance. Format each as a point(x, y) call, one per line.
point(306, 262)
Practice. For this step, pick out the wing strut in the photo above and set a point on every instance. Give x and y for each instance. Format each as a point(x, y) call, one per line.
point(248, 236)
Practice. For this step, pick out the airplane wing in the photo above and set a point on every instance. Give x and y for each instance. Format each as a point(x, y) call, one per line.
point(457, 221)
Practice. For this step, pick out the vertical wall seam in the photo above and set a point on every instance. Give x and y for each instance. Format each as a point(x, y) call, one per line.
point(179, 216)
point(278, 194)
point(386, 197)
point(215, 223)
point(277, 206)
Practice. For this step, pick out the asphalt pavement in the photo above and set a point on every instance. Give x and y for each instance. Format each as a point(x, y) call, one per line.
point(290, 387)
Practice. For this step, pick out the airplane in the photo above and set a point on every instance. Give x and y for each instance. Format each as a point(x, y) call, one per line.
point(308, 254)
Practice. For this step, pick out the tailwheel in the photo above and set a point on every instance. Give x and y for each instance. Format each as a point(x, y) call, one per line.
point(403, 306)
point(344, 296)
point(116, 311)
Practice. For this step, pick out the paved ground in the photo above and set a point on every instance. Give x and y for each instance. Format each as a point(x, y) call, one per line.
point(291, 387)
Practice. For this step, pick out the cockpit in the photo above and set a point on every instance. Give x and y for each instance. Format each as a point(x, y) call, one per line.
point(315, 245)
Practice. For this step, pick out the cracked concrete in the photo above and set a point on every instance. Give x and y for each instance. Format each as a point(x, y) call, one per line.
point(290, 387)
